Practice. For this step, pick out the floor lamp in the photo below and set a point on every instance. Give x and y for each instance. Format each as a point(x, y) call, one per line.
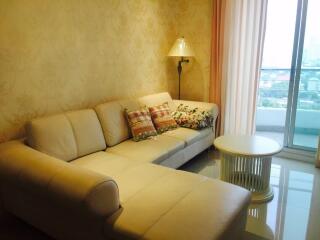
point(181, 49)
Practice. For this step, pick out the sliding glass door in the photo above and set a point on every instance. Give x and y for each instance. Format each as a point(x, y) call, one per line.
point(303, 113)
point(275, 71)
point(288, 107)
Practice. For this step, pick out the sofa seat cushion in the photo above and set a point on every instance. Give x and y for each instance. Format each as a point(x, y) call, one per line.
point(209, 211)
point(171, 204)
point(189, 136)
point(105, 163)
point(130, 176)
point(133, 180)
point(154, 150)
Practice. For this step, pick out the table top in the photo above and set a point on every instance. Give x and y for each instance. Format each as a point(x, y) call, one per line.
point(247, 145)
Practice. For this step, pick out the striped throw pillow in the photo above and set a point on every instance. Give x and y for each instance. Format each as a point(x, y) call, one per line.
point(162, 119)
point(140, 124)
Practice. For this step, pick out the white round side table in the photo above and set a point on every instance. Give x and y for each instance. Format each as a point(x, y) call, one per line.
point(246, 161)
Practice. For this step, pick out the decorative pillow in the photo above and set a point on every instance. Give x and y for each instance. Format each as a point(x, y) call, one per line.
point(162, 119)
point(140, 124)
point(194, 118)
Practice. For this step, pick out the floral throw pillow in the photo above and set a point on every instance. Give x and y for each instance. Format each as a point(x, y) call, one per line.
point(194, 118)
point(162, 119)
point(140, 124)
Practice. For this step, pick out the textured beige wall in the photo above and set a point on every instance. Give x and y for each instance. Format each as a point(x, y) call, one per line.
point(193, 21)
point(195, 24)
point(70, 54)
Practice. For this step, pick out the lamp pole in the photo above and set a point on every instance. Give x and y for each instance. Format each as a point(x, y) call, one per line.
point(182, 60)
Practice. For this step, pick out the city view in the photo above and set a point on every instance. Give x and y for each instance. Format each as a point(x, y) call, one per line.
point(274, 85)
point(275, 76)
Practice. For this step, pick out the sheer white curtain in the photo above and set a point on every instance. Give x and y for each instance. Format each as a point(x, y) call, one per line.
point(318, 155)
point(244, 30)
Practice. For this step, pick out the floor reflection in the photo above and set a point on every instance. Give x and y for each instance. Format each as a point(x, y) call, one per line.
point(287, 215)
point(257, 221)
point(293, 213)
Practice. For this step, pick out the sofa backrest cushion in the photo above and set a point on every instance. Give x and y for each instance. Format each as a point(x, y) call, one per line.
point(113, 121)
point(52, 135)
point(66, 136)
point(87, 131)
point(157, 99)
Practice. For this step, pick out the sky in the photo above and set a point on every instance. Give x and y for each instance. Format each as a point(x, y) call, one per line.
point(280, 29)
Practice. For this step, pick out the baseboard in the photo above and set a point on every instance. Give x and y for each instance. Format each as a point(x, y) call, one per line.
point(301, 155)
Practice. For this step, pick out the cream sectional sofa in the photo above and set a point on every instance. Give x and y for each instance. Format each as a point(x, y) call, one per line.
point(78, 175)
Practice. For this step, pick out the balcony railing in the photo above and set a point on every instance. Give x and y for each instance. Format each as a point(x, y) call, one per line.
point(273, 96)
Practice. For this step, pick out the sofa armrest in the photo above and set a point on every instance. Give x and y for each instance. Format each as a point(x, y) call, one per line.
point(211, 107)
point(37, 174)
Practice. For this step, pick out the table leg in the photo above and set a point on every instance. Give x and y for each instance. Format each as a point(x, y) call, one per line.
point(250, 172)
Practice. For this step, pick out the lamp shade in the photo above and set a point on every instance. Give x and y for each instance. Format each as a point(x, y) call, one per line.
point(181, 48)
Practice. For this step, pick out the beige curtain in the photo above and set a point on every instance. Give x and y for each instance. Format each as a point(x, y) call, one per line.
point(235, 76)
point(216, 56)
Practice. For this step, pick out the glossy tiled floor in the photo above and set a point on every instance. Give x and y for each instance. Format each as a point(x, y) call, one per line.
point(294, 212)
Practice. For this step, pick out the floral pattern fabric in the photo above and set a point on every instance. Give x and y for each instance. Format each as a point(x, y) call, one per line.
point(194, 118)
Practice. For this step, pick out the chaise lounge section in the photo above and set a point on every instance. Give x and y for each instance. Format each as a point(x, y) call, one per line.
point(78, 175)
